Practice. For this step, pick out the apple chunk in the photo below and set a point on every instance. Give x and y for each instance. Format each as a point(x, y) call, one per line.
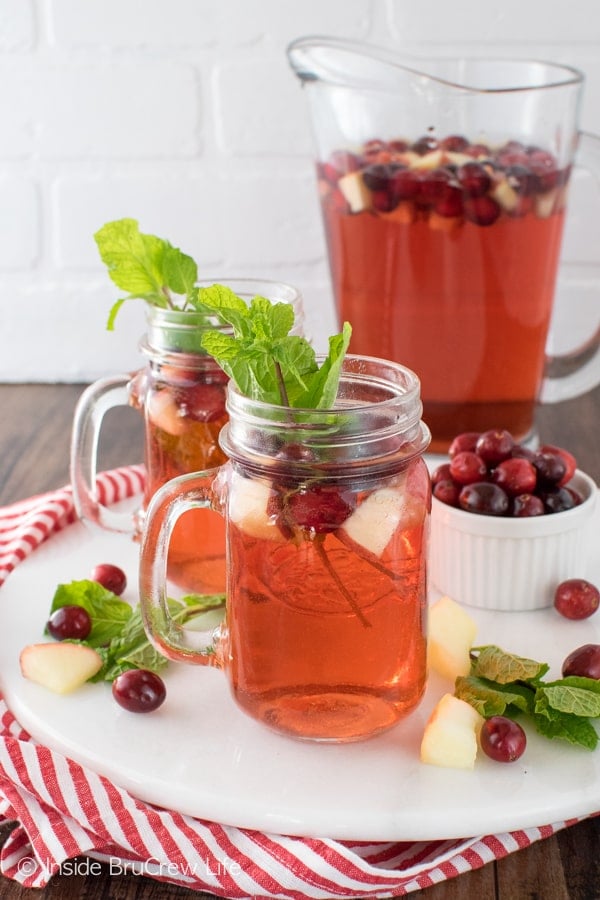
point(450, 736)
point(451, 632)
point(249, 508)
point(373, 523)
point(60, 667)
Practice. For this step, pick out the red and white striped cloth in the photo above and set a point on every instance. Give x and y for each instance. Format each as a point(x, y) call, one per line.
point(62, 810)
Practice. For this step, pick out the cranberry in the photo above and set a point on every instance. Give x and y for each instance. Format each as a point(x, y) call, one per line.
point(557, 500)
point(319, 508)
point(482, 210)
point(425, 144)
point(544, 168)
point(467, 467)
point(526, 505)
point(568, 459)
point(450, 206)
point(383, 201)
point(435, 185)
point(484, 498)
point(110, 577)
point(477, 150)
point(495, 445)
point(467, 440)
point(377, 177)
point(474, 179)
point(441, 473)
point(454, 143)
point(576, 598)
point(405, 184)
point(203, 402)
point(139, 690)
point(551, 467)
point(69, 622)
point(399, 145)
point(583, 662)
point(502, 739)
point(521, 179)
point(515, 476)
point(447, 491)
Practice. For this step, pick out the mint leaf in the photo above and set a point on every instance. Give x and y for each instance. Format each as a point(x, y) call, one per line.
point(569, 699)
point(491, 699)
point(494, 663)
point(109, 614)
point(323, 384)
point(146, 266)
point(572, 728)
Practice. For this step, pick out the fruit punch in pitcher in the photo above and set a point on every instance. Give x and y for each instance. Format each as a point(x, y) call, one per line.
point(326, 499)
point(443, 186)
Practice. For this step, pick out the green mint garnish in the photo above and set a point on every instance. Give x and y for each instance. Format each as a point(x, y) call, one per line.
point(264, 360)
point(147, 267)
point(503, 684)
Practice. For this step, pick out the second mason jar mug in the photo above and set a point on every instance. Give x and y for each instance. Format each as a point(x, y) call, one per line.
point(181, 396)
point(326, 514)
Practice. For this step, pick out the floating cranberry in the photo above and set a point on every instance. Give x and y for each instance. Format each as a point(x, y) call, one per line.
point(454, 143)
point(467, 467)
point(477, 150)
point(435, 185)
point(450, 206)
point(383, 201)
point(521, 179)
point(378, 177)
point(202, 402)
point(484, 498)
point(405, 184)
point(425, 144)
point(482, 210)
point(320, 508)
point(474, 179)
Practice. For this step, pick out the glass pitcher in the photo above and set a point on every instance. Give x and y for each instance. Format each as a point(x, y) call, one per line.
point(443, 186)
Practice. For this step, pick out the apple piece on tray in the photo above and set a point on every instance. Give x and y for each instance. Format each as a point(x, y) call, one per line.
point(451, 632)
point(60, 667)
point(450, 736)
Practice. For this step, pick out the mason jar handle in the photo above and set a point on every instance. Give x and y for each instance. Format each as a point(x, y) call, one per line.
point(573, 374)
point(94, 403)
point(169, 503)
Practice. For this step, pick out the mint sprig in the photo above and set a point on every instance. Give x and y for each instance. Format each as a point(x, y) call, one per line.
point(264, 360)
point(147, 267)
point(502, 683)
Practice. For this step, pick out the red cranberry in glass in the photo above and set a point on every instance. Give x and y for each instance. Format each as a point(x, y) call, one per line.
point(383, 201)
point(405, 184)
point(69, 623)
point(481, 210)
point(477, 150)
point(295, 452)
point(447, 491)
point(467, 440)
point(484, 498)
point(576, 598)
point(545, 169)
point(377, 177)
point(203, 402)
point(450, 206)
point(425, 144)
point(319, 508)
point(495, 445)
point(583, 662)
point(435, 185)
point(467, 467)
point(110, 577)
point(399, 145)
point(521, 179)
point(474, 179)
point(454, 143)
point(515, 476)
point(526, 505)
point(502, 739)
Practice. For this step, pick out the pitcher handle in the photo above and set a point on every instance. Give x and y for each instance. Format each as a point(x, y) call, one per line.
point(94, 403)
point(169, 503)
point(573, 374)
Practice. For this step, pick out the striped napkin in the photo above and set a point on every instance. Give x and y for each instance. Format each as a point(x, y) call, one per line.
point(62, 810)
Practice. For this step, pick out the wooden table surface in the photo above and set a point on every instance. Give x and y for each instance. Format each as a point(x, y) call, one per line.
point(34, 446)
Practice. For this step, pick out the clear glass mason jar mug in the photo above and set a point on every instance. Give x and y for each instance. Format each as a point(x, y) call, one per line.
point(181, 395)
point(326, 514)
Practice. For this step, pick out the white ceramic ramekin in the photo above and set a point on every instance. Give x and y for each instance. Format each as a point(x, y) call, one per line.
point(510, 564)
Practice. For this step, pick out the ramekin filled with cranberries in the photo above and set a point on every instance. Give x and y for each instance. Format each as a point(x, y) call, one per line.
point(508, 522)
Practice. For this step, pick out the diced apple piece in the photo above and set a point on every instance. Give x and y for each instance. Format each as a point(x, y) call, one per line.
point(355, 191)
point(429, 161)
point(165, 414)
point(451, 632)
point(248, 508)
point(545, 203)
point(450, 736)
point(458, 159)
point(60, 667)
point(373, 523)
point(505, 195)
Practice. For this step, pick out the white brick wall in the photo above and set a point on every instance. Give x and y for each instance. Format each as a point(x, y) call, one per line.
point(185, 115)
